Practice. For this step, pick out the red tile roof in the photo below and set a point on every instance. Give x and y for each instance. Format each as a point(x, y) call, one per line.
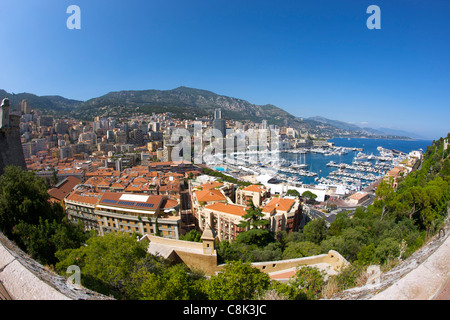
point(279, 204)
point(124, 200)
point(228, 208)
point(209, 195)
point(254, 188)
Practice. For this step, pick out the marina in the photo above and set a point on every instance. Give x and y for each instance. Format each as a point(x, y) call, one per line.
point(350, 168)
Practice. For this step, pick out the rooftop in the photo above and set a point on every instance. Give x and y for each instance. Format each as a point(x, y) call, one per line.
point(254, 188)
point(132, 201)
point(280, 204)
point(233, 209)
point(358, 195)
point(209, 195)
point(210, 185)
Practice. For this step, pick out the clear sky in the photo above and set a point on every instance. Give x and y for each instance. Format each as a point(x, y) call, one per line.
point(309, 57)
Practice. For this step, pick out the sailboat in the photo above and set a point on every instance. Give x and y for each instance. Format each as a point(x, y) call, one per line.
point(300, 165)
point(303, 165)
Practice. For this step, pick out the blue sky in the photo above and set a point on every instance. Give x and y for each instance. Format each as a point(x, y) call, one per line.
point(308, 57)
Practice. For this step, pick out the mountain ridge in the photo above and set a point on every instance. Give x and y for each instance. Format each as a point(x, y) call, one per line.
point(188, 103)
point(381, 131)
point(47, 103)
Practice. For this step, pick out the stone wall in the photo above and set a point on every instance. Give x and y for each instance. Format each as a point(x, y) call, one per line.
point(191, 254)
point(419, 277)
point(332, 258)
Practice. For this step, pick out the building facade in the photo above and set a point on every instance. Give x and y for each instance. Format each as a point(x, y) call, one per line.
point(124, 212)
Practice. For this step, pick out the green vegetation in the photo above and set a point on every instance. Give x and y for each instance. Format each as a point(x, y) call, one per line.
point(224, 177)
point(292, 193)
point(309, 196)
point(39, 227)
point(119, 266)
point(192, 235)
point(256, 226)
point(238, 281)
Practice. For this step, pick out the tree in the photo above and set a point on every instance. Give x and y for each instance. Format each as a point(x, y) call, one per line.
point(254, 218)
point(308, 284)
point(301, 249)
point(315, 230)
point(28, 218)
point(106, 262)
point(270, 252)
point(172, 283)
point(54, 180)
point(341, 222)
point(237, 281)
point(192, 235)
point(23, 198)
point(367, 256)
point(309, 196)
point(256, 226)
point(156, 228)
point(43, 240)
point(384, 192)
point(293, 193)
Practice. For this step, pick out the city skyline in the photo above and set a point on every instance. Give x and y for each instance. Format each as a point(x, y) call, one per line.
point(307, 58)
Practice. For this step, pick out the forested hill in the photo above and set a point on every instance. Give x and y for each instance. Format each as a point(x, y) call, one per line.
point(45, 103)
point(189, 103)
point(186, 103)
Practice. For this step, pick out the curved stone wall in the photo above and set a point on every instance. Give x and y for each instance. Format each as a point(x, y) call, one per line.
point(422, 276)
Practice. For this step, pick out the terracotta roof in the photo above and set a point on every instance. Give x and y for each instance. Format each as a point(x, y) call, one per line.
point(64, 187)
point(133, 187)
point(117, 186)
point(210, 185)
point(148, 186)
point(170, 187)
point(209, 195)
point(140, 180)
point(84, 197)
point(56, 193)
point(169, 203)
point(358, 195)
point(278, 204)
point(104, 183)
point(254, 188)
point(228, 208)
point(68, 184)
point(283, 275)
point(133, 201)
point(93, 181)
point(395, 171)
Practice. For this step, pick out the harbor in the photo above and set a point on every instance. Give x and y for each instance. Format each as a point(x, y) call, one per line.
point(345, 168)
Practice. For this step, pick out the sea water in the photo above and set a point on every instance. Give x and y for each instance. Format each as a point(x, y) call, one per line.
point(317, 162)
